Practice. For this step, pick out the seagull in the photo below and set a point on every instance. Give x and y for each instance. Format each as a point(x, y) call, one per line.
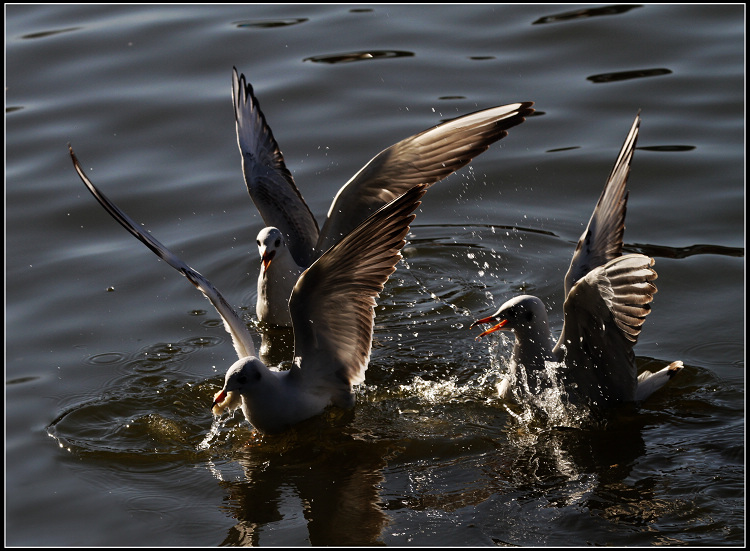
point(292, 241)
point(332, 310)
point(607, 298)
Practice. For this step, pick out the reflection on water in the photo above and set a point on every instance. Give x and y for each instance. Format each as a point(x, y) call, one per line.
point(326, 479)
point(108, 394)
point(445, 445)
point(586, 468)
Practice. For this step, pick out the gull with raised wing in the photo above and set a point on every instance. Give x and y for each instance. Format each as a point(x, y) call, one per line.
point(607, 298)
point(292, 240)
point(332, 309)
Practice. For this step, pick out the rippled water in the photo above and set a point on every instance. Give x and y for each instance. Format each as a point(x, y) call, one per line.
point(112, 359)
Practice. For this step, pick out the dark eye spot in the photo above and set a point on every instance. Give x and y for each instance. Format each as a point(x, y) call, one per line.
point(257, 241)
point(242, 379)
point(278, 242)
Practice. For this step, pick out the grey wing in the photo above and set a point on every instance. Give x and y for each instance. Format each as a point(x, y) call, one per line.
point(604, 313)
point(333, 302)
point(241, 338)
point(602, 239)
point(268, 180)
point(424, 158)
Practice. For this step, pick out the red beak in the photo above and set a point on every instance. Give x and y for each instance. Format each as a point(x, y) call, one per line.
point(491, 329)
point(220, 397)
point(267, 259)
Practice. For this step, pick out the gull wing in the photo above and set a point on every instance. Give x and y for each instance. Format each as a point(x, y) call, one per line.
point(602, 239)
point(268, 180)
point(424, 158)
point(604, 312)
point(243, 342)
point(333, 302)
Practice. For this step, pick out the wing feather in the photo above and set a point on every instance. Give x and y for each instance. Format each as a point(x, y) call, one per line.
point(333, 302)
point(604, 314)
point(268, 180)
point(601, 241)
point(424, 158)
point(241, 338)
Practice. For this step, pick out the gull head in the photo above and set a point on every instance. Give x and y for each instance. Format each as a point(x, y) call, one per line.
point(243, 378)
point(270, 242)
point(523, 314)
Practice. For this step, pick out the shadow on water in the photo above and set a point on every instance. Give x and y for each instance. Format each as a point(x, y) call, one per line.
point(586, 469)
point(320, 481)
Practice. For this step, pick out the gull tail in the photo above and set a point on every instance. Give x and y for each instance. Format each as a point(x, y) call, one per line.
point(648, 382)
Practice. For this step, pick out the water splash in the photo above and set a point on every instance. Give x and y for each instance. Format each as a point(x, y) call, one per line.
point(213, 433)
point(542, 395)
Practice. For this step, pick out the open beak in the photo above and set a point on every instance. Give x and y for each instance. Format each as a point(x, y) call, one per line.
point(492, 329)
point(219, 398)
point(226, 400)
point(267, 257)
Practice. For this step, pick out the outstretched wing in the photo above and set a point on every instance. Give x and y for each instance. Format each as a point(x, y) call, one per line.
point(333, 302)
point(268, 180)
point(602, 239)
point(604, 312)
point(241, 337)
point(424, 158)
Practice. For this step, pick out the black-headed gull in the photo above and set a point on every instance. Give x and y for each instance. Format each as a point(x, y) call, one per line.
point(607, 298)
point(292, 241)
point(332, 309)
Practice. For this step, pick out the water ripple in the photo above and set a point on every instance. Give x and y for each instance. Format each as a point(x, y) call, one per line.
point(585, 13)
point(628, 75)
point(270, 23)
point(684, 252)
point(45, 34)
point(365, 55)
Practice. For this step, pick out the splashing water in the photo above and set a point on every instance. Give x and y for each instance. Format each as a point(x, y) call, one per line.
point(543, 394)
point(213, 432)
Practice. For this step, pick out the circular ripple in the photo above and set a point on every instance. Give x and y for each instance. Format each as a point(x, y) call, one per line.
point(160, 505)
point(717, 353)
point(203, 342)
point(141, 423)
point(107, 358)
point(158, 357)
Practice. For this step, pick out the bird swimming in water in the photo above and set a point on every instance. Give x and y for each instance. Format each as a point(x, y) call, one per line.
point(607, 298)
point(332, 310)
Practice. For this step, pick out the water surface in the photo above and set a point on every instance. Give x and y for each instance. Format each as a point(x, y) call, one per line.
point(112, 358)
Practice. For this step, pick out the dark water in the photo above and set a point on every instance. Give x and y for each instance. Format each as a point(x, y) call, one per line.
point(112, 359)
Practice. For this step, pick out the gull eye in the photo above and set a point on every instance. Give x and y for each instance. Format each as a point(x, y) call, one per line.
point(242, 379)
point(278, 242)
point(257, 241)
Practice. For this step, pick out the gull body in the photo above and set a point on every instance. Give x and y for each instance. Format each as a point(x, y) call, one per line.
point(278, 274)
point(424, 158)
point(332, 311)
point(607, 298)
